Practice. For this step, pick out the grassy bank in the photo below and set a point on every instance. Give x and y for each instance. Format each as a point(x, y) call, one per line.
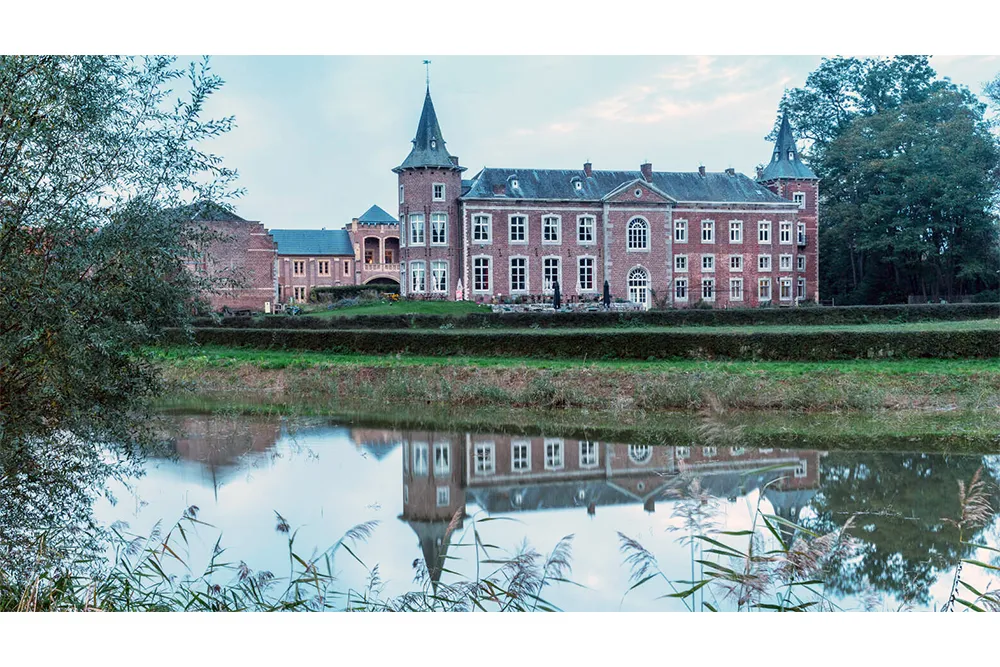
point(624, 386)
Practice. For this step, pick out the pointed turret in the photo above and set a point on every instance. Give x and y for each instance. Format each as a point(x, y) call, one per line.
point(785, 161)
point(428, 145)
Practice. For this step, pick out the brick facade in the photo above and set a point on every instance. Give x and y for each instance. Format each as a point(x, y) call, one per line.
point(493, 262)
point(243, 251)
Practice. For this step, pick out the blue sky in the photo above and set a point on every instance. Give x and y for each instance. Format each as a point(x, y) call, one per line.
point(316, 137)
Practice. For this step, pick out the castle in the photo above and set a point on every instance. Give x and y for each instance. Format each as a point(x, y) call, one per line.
point(657, 238)
point(664, 239)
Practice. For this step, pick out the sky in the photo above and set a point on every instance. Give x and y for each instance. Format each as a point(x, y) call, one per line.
point(316, 137)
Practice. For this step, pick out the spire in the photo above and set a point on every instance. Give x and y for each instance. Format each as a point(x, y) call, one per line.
point(785, 161)
point(429, 145)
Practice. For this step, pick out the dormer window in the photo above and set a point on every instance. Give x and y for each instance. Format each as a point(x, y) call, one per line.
point(577, 185)
point(434, 143)
point(513, 182)
point(791, 156)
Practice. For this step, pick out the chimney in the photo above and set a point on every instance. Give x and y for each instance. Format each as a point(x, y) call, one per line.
point(760, 173)
point(354, 224)
point(500, 189)
point(587, 169)
point(701, 170)
point(454, 159)
point(730, 171)
point(647, 171)
point(650, 504)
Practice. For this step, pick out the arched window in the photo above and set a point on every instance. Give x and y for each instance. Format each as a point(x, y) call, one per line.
point(638, 234)
point(638, 286)
point(640, 454)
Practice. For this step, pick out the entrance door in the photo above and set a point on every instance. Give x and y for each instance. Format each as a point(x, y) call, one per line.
point(638, 286)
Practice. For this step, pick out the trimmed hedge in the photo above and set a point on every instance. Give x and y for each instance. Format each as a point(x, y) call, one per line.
point(624, 344)
point(328, 294)
point(658, 318)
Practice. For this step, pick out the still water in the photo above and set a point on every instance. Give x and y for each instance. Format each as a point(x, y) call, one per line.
point(325, 477)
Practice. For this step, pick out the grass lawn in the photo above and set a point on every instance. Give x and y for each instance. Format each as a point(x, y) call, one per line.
point(402, 308)
point(222, 357)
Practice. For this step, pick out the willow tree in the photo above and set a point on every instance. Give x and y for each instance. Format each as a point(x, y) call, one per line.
point(97, 157)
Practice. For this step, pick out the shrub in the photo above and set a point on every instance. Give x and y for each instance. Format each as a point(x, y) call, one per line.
point(328, 294)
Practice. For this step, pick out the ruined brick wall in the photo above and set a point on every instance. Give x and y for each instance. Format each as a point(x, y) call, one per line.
point(243, 258)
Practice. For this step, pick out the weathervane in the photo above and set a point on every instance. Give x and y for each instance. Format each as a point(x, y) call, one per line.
point(427, 64)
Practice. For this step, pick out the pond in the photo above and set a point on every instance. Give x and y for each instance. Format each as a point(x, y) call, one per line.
point(448, 504)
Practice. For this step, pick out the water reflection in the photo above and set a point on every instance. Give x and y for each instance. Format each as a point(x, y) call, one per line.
point(898, 499)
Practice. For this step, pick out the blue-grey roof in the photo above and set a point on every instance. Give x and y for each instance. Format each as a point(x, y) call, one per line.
point(428, 146)
point(377, 216)
point(560, 184)
point(786, 161)
point(313, 242)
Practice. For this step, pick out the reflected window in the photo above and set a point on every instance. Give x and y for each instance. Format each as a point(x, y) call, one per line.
point(485, 459)
point(683, 452)
point(442, 458)
point(520, 455)
point(588, 454)
point(801, 469)
point(640, 454)
point(443, 496)
point(737, 451)
point(420, 456)
point(554, 459)
point(709, 452)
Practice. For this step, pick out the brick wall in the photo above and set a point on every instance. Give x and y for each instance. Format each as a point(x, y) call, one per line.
point(311, 275)
point(418, 198)
point(246, 251)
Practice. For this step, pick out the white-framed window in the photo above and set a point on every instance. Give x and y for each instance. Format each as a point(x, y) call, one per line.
point(437, 190)
point(707, 263)
point(784, 262)
point(421, 455)
point(786, 289)
point(680, 231)
point(799, 198)
point(517, 229)
point(518, 274)
point(585, 274)
point(442, 458)
point(735, 289)
point(551, 229)
point(585, 226)
point(800, 262)
point(709, 452)
point(482, 274)
point(680, 263)
point(801, 228)
point(736, 231)
point(708, 289)
point(482, 228)
point(785, 233)
point(298, 267)
point(443, 496)
point(439, 276)
point(682, 453)
point(801, 469)
point(800, 289)
point(485, 458)
point(708, 231)
point(638, 286)
point(763, 262)
point(418, 277)
point(323, 267)
point(737, 451)
point(764, 231)
point(416, 229)
point(681, 289)
point(300, 292)
point(551, 273)
point(588, 454)
point(640, 454)
point(401, 194)
point(439, 228)
point(520, 455)
point(554, 454)
point(764, 289)
point(736, 263)
point(638, 234)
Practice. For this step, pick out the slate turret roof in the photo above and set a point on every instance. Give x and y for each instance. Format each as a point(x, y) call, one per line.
point(561, 184)
point(377, 216)
point(313, 242)
point(429, 145)
point(786, 161)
